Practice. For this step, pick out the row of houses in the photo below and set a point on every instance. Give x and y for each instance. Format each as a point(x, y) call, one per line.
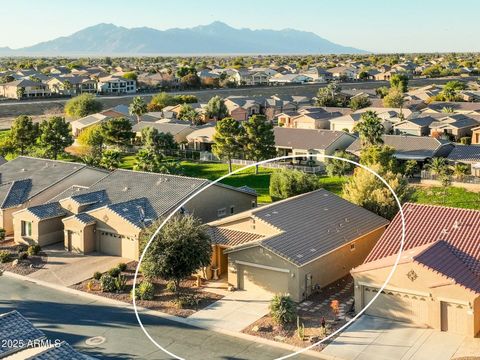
point(298, 245)
point(33, 84)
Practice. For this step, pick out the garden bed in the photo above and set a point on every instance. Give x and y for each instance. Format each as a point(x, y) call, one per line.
point(25, 266)
point(163, 300)
point(310, 313)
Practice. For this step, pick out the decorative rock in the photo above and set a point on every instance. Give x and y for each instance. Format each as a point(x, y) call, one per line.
point(255, 328)
point(15, 262)
point(279, 338)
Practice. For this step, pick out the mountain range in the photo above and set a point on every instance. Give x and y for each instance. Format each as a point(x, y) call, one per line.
point(215, 38)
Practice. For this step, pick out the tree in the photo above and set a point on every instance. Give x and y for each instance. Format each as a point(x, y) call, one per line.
point(55, 136)
point(82, 105)
point(227, 140)
point(20, 92)
point(370, 129)
point(382, 91)
point(160, 100)
point(366, 190)
point(336, 167)
point(92, 138)
point(110, 159)
point(330, 96)
point(138, 107)
point(460, 170)
point(147, 160)
point(190, 81)
point(381, 155)
point(283, 309)
point(399, 81)
point(181, 248)
point(259, 139)
point(395, 99)
point(130, 75)
point(437, 166)
point(359, 102)
point(287, 183)
point(216, 108)
point(188, 113)
point(410, 168)
point(23, 133)
point(117, 132)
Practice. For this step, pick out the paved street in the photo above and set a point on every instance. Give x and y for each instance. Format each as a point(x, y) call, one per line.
point(75, 319)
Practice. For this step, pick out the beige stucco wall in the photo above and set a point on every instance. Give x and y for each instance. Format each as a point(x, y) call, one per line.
point(44, 232)
point(337, 264)
point(206, 204)
point(6, 218)
point(428, 283)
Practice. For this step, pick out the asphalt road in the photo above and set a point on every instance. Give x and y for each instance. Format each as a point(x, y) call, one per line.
point(75, 319)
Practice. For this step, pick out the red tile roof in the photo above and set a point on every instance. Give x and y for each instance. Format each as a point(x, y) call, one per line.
point(425, 224)
point(449, 265)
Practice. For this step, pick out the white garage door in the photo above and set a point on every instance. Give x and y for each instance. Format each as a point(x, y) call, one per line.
point(118, 245)
point(258, 279)
point(397, 305)
point(454, 318)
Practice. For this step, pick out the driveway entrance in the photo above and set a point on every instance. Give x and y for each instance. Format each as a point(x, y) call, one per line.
point(66, 268)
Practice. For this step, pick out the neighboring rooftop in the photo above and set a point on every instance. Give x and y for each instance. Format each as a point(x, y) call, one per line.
point(306, 138)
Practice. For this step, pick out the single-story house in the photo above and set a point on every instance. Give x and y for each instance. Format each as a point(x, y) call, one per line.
point(476, 135)
point(179, 131)
point(83, 123)
point(308, 118)
point(297, 246)
point(419, 148)
point(455, 125)
point(311, 144)
point(110, 215)
point(440, 107)
point(27, 181)
point(437, 281)
point(418, 126)
point(241, 107)
point(467, 154)
point(201, 139)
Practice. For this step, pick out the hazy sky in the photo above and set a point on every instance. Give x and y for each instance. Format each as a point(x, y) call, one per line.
point(374, 25)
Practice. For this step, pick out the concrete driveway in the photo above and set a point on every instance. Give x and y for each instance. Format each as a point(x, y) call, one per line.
point(234, 312)
point(372, 338)
point(65, 268)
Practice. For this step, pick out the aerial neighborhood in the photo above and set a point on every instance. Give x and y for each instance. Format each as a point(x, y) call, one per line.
point(269, 199)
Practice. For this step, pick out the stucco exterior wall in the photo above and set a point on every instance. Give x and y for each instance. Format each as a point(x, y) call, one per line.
point(207, 204)
point(427, 283)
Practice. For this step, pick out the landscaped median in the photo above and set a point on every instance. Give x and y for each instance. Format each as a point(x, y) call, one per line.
point(156, 294)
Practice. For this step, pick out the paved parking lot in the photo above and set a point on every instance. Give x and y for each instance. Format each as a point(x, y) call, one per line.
point(64, 268)
point(372, 338)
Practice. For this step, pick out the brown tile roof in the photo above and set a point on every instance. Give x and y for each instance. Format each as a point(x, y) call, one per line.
point(230, 237)
point(306, 139)
point(426, 224)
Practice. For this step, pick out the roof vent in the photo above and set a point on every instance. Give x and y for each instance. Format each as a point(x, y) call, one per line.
point(346, 220)
point(23, 170)
point(274, 212)
point(125, 209)
point(456, 225)
point(326, 209)
point(267, 215)
point(444, 232)
point(313, 250)
point(125, 189)
point(299, 256)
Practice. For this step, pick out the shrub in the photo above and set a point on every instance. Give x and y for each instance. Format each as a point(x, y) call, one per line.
point(144, 291)
point(107, 282)
point(33, 250)
point(2, 234)
point(122, 266)
point(22, 256)
point(171, 287)
point(5, 256)
point(121, 282)
point(97, 275)
point(283, 309)
point(22, 248)
point(187, 301)
point(466, 140)
point(114, 272)
point(90, 285)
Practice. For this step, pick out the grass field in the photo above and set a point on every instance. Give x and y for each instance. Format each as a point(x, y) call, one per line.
point(452, 196)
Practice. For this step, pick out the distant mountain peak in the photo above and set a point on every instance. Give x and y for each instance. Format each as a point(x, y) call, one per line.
point(214, 38)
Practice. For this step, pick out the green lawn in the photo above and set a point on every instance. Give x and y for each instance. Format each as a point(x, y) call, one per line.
point(452, 196)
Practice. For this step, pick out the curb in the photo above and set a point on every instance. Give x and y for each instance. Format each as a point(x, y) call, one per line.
point(184, 321)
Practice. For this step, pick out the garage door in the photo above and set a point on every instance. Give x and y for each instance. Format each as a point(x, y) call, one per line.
point(397, 305)
point(454, 318)
point(118, 245)
point(258, 279)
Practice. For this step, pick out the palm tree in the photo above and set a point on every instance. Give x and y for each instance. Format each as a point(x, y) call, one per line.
point(370, 129)
point(138, 107)
point(437, 166)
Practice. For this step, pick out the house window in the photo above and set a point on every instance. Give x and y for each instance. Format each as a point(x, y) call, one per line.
point(352, 247)
point(26, 228)
point(232, 210)
point(254, 204)
point(221, 212)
